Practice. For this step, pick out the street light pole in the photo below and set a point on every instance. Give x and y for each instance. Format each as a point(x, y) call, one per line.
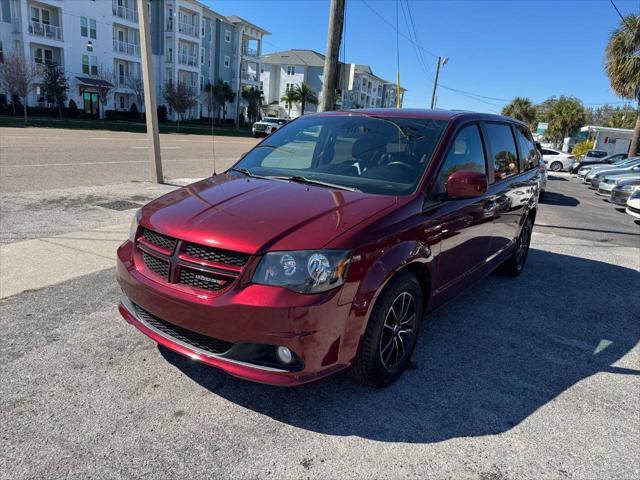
point(441, 61)
point(148, 79)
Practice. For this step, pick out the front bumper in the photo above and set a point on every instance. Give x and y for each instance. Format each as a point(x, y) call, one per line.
point(619, 197)
point(604, 189)
point(313, 327)
point(634, 212)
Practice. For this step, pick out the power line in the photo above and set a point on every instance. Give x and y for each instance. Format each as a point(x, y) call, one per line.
point(620, 15)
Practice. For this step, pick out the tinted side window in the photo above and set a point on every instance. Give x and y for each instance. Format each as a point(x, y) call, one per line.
point(548, 152)
point(528, 152)
point(503, 150)
point(466, 153)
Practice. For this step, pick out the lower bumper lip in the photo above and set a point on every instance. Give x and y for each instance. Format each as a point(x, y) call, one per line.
point(247, 371)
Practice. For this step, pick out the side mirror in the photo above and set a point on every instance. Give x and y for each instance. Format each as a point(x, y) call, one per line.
point(465, 184)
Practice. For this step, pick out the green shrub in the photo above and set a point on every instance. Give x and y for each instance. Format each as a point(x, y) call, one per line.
point(581, 148)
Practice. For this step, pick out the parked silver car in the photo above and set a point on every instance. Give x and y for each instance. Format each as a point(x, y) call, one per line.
point(623, 190)
point(608, 183)
point(595, 181)
point(584, 171)
point(624, 167)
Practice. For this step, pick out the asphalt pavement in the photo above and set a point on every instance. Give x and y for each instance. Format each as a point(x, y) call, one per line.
point(534, 377)
point(35, 159)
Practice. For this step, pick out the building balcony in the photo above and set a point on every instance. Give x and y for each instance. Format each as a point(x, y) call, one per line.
point(185, 59)
point(249, 77)
point(188, 29)
point(126, 48)
point(250, 52)
point(129, 14)
point(45, 30)
point(124, 80)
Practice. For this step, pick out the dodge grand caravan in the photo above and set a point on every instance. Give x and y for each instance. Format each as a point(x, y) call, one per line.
point(323, 248)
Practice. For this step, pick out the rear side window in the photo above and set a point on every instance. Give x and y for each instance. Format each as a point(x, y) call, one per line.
point(548, 152)
point(528, 152)
point(596, 154)
point(466, 153)
point(503, 150)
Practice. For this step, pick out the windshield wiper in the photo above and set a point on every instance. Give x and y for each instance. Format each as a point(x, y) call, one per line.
point(246, 172)
point(311, 181)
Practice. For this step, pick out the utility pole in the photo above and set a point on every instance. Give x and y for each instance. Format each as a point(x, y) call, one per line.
point(441, 61)
point(148, 79)
point(330, 73)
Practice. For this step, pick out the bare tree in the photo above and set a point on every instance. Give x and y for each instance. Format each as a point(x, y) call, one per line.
point(104, 85)
point(137, 87)
point(180, 97)
point(18, 77)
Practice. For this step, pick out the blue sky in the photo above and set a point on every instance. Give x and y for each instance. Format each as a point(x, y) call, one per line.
point(497, 49)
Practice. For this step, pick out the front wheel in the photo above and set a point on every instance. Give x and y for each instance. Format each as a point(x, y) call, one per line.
point(391, 333)
point(556, 166)
point(513, 266)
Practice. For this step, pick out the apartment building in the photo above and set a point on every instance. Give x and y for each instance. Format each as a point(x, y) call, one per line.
point(359, 86)
point(190, 42)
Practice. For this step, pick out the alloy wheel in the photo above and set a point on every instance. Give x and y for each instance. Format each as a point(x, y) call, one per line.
point(398, 330)
point(523, 245)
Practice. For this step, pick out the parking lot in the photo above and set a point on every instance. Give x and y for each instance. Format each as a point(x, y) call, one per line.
point(534, 377)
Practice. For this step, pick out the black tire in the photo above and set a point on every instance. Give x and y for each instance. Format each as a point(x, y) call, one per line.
point(541, 196)
point(513, 266)
point(555, 166)
point(384, 334)
point(255, 135)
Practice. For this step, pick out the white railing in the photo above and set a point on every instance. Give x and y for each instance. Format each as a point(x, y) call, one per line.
point(44, 30)
point(125, 12)
point(188, 29)
point(124, 80)
point(186, 59)
point(250, 77)
point(250, 52)
point(127, 48)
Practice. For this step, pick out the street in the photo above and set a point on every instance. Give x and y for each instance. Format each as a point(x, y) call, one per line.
point(33, 159)
point(533, 377)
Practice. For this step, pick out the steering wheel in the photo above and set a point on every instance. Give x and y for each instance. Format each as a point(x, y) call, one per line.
point(402, 164)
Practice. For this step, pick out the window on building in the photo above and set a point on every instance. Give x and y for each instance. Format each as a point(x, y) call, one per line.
point(89, 64)
point(227, 36)
point(227, 61)
point(41, 15)
point(201, 82)
point(203, 28)
point(201, 55)
point(291, 70)
point(169, 76)
point(261, 86)
point(84, 27)
point(93, 30)
point(503, 150)
point(122, 107)
point(1, 53)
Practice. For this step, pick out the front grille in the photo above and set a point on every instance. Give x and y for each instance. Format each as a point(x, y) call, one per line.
point(203, 280)
point(633, 209)
point(156, 265)
point(159, 240)
point(603, 191)
point(216, 255)
point(194, 339)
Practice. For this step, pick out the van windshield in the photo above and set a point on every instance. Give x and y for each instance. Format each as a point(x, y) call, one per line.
point(370, 154)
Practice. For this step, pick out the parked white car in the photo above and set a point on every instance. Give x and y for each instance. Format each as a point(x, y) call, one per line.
point(633, 204)
point(557, 160)
point(267, 126)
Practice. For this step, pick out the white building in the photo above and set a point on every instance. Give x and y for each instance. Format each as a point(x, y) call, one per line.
point(191, 43)
point(610, 140)
point(360, 88)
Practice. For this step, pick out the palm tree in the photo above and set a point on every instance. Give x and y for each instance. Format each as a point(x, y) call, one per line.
point(623, 66)
point(289, 98)
point(254, 98)
point(305, 95)
point(566, 114)
point(522, 109)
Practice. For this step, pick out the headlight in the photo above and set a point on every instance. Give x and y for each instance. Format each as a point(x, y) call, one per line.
point(630, 188)
point(133, 229)
point(304, 271)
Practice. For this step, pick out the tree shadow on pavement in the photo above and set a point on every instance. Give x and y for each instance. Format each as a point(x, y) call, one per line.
point(484, 362)
point(554, 198)
point(553, 177)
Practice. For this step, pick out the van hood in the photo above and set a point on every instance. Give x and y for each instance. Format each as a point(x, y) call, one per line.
point(254, 215)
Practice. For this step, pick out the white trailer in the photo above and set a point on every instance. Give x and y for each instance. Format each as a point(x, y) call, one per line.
point(610, 140)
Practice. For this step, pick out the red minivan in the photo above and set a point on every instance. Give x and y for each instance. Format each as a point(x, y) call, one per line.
point(324, 247)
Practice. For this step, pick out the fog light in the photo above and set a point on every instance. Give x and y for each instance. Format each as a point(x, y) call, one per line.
point(284, 354)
